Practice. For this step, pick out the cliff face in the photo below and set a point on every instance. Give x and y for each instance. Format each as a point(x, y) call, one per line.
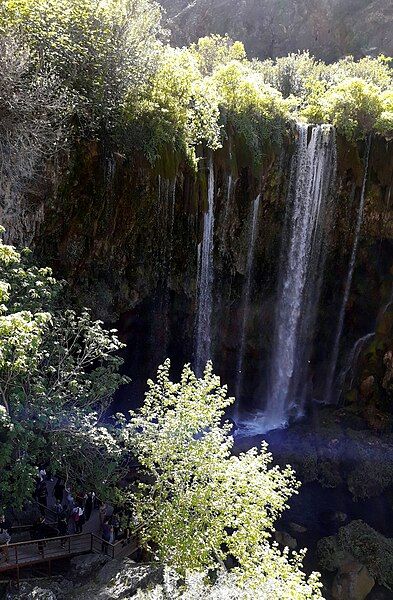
point(330, 29)
point(126, 238)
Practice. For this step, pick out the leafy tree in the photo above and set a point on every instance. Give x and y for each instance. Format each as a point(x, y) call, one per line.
point(58, 370)
point(179, 108)
point(256, 111)
point(201, 504)
point(352, 106)
point(214, 51)
point(34, 111)
point(98, 49)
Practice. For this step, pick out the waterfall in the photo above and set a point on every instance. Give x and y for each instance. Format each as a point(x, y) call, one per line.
point(301, 271)
point(205, 282)
point(348, 282)
point(349, 371)
point(253, 231)
point(163, 237)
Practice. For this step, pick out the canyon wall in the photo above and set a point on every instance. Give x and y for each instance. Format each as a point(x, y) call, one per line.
point(126, 235)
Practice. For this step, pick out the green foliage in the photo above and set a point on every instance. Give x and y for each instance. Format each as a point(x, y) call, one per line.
point(215, 51)
point(201, 504)
point(58, 369)
point(103, 69)
point(178, 109)
point(352, 106)
point(256, 111)
point(98, 49)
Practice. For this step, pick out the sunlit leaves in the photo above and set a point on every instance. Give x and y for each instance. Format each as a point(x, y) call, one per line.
point(200, 503)
point(58, 370)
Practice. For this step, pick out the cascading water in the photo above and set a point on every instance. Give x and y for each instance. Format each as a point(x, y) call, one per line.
point(253, 229)
point(205, 282)
point(348, 283)
point(301, 271)
point(165, 213)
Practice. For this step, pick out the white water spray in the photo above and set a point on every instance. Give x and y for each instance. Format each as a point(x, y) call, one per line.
point(301, 271)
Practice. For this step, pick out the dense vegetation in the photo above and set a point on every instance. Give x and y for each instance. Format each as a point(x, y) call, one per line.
point(58, 370)
point(105, 70)
point(201, 506)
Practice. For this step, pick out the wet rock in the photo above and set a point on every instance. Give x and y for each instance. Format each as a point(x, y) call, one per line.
point(296, 528)
point(367, 387)
point(387, 382)
point(339, 517)
point(286, 540)
point(359, 542)
point(329, 474)
point(330, 555)
point(83, 567)
point(352, 582)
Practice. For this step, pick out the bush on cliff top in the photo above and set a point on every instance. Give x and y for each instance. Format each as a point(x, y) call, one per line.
point(124, 83)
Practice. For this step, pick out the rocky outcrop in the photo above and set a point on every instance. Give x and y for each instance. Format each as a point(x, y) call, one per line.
point(361, 555)
point(330, 29)
point(116, 580)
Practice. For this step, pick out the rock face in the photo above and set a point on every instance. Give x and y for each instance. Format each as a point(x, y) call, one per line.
point(361, 555)
point(126, 238)
point(352, 582)
point(330, 29)
point(116, 580)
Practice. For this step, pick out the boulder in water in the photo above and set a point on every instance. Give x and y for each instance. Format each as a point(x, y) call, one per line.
point(286, 540)
point(352, 582)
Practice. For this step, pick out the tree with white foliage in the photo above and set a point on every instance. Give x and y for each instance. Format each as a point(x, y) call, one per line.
point(203, 506)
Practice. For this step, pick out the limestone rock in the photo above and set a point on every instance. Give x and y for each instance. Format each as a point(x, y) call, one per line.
point(286, 540)
point(119, 580)
point(85, 566)
point(297, 528)
point(367, 387)
point(352, 582)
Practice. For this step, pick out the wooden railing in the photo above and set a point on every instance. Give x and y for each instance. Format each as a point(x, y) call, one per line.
point(20, 554)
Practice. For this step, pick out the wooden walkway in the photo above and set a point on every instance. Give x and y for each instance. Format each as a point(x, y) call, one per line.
point(13, 557)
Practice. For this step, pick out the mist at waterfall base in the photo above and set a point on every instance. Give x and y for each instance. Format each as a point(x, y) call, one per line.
point(303, 251)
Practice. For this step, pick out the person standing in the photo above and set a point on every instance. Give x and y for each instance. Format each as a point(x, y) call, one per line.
point(5, 538)
point(58, 490)
point(42, 496)
point(89, 505)
point(107, 536)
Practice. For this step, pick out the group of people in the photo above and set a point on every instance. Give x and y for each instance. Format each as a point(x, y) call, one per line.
point(71, 513)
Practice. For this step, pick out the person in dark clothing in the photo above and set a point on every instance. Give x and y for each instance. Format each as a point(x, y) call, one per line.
point(58, 490)
point(89, 505)
point(62, 526)
point(42, 496)
point(38, 532)
point(5, 537)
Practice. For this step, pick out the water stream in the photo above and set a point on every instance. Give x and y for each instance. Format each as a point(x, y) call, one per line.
point(205, 282)
point(302, 262)
point(253, 233)
point(340, 324)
